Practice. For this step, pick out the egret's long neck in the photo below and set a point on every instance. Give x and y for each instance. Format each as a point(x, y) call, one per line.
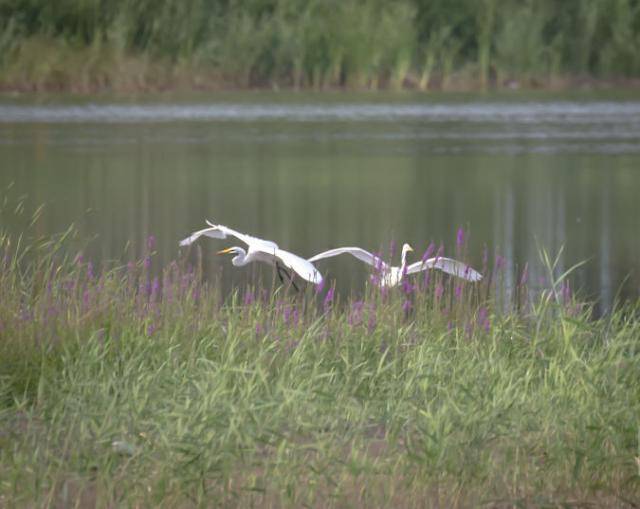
point(240, 259)
point(403, 261)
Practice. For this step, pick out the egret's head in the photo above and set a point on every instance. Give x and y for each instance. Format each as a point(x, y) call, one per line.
point(237, 251)
point(405, 249)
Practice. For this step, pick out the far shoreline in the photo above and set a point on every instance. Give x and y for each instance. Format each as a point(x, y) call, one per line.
point(197, 83)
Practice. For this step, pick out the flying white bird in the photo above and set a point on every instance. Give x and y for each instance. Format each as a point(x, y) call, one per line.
point(259, 250)
point(391, 276)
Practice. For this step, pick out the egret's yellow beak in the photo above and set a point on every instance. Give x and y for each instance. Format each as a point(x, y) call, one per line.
point(225, 251)
point(409, 248)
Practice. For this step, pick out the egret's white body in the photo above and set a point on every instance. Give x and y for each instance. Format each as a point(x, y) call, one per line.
point(391, 276)
point(259, 250)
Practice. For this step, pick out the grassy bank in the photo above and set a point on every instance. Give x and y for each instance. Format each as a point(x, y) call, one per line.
point(122, 388)
point(131, 45)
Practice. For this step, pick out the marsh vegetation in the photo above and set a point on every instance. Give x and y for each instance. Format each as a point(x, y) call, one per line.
point(121, 385)
point(137, 44)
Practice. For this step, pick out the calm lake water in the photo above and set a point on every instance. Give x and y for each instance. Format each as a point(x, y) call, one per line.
point(313, 172)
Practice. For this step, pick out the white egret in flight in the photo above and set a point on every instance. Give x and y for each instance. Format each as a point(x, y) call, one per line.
point(259, 250)
point(391, 276)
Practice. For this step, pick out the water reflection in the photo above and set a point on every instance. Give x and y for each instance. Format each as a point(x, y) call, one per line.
point(519, 176)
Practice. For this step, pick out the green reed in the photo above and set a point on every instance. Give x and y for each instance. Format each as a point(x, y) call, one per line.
point(137, 44)
point(133, 386)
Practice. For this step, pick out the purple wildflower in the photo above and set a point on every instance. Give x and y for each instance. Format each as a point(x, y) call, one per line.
point(295, 317)
point(26, 315)
point(151, 243)
point(147, 262)
point(286, 315)
point(439, 291)
point(406, 306)
point(86, 300)
point(155, 290)
point(457, 292)
point(355, 317)
point(328, 299)
point(151, 328)
point(500, 262)
point(90, 273)
point(427, 254)
point(483, 319)
point(407, 287)
point(460, 238)
point(320, 286)
point(249, 298)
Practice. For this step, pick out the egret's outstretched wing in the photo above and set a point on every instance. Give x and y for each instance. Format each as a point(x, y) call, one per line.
point(358, 252)
point(299, 265)
point(448, 265)
point(207, 232)
point(219, 231)
point(247, 239)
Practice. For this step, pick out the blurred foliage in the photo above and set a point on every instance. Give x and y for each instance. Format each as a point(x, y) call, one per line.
point(320, 43)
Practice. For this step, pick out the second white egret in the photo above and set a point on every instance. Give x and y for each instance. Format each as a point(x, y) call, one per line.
point(391, 276)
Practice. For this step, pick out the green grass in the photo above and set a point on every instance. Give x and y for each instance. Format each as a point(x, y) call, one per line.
point(117, 389)
point(124, 45)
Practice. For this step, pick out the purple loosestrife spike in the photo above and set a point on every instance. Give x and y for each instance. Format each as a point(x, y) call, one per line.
point(458, 292)
point(320, 287)
point(372, 322)
point(483, 319)
point(378, 262)
point(427, 254)
point(407, 287)
point(249, 298)
point(355, 317)
point(147, 262)
point(90, 274)
point(151, 243)
point(86, 300)
point(155, 289)
point(406, 306)
point(151, 328)
point(286, 315)
point(460, 238)
point(328, 299)
point(295, 317)
point(439, 291)
point(426, 279)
